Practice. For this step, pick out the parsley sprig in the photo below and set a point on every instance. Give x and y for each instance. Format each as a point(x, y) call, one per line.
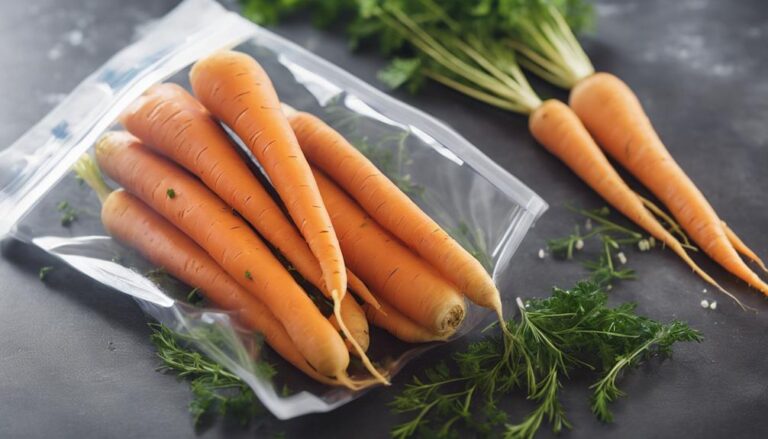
point(572, 329)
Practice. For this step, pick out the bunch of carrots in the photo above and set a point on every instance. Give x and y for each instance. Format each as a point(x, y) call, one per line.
point(191, 204)
point(481, 50)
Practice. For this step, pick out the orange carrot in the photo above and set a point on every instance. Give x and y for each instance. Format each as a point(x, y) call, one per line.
point(389, 206)
point(391, 320)
point(615, 117)
point(235, 88)
point(129, 220)
point(208, 221)
point(742, 248)
point(394, 272)
point(170, 121)
point(354, 318)
point(560, 131)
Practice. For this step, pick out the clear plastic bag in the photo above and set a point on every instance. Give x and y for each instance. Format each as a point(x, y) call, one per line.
point(484, 207)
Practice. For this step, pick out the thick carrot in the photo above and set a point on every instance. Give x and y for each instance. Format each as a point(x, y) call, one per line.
point(235, 88)
point(207, 220)
point(614, 116)
point(396, 274)
point(561, 132)
point(389, 206)
point(170, 121)
point(394, 322)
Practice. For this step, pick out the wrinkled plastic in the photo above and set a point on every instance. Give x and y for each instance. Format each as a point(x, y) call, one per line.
point(484, 207)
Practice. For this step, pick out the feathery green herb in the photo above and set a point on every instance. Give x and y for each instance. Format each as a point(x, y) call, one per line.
point(572, 329)
point(215, 390)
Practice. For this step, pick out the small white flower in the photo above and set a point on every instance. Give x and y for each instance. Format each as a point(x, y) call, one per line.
point(704, 304)
point(609, 287)
point(643, 245)
point(588, 224)
point(622, 257)
point(713, 305)
point(579, 244)
point(542, 253)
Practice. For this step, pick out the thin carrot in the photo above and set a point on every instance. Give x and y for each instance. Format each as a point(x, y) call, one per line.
point(235, 88)
point(168, 120)
point(229, 241)
point(354, 318)
point(561, 132)
point(129, 220)
point(394, 322)
point(389, 206)
point(613, 114)
point(742, 248)
point(396, 274)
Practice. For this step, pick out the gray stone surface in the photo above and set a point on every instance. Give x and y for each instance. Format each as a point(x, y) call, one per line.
point(74, 357)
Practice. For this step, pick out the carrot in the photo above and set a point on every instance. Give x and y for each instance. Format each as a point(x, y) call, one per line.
point(615, 117)
point(235, 88)
point(391, 320)
point(129, 220)
point(560, 131)
point(742, 248)
point(354, 318)
point(389, 206)
point(207, 220)
point(170, 121)
point(394, 272)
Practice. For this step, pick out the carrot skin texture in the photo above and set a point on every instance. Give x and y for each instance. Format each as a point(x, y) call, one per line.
point(327, 150)
point(560, 131)
point(354, 317)
point(615, 117)
point(235, 89)
point(130, 221)
point(396, 274)
point(394, 322)
point(228, 240)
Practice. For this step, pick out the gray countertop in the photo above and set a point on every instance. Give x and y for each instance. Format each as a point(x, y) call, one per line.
point(75, 360)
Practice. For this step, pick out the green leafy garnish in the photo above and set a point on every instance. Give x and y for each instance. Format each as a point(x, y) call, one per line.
point(248, 275)
point(68, 213)
point(170, 192)
point(215, 390)
point(43, 273)
point(570, 330)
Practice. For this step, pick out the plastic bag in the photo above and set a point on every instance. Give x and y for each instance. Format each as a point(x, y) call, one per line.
point(483, 206)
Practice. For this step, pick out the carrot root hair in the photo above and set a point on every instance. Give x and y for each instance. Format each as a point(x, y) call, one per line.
point(360, 351)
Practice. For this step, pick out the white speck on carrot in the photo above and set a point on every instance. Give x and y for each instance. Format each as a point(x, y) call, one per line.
point(705, 304)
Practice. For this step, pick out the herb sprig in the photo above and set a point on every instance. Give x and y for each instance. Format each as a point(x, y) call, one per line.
point(572, 329)
point(215, 390)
